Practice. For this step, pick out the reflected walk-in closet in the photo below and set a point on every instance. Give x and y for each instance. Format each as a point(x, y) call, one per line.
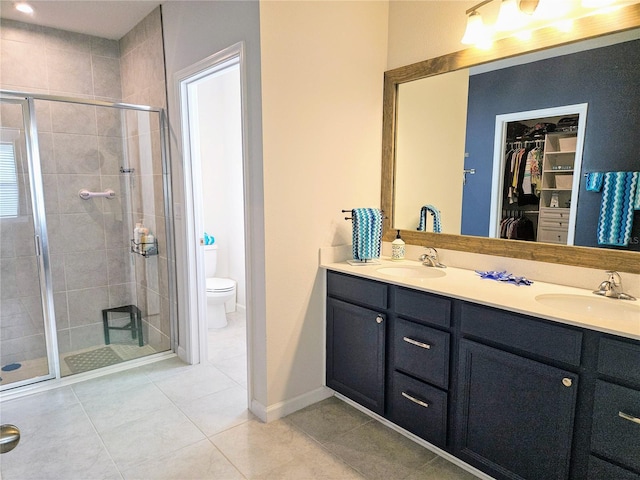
point(82, 286)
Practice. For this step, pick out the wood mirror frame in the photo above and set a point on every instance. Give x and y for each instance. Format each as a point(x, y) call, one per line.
point(625, 18)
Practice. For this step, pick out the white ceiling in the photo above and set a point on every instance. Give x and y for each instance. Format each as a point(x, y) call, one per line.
point(107, 19)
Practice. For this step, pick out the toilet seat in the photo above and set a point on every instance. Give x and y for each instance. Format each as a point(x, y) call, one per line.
point(220, 285)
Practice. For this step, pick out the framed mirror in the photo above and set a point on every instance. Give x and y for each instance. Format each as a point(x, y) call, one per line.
point(443, 72)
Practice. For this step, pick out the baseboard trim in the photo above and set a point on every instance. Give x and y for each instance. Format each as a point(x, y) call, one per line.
point(282, 409)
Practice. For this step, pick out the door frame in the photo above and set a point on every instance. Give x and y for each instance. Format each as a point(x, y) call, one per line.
point(500, 138)
point(196, 342)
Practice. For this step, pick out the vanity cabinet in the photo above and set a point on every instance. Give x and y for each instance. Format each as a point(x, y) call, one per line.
point(615, 434)
point(518, 397)
point(356, 340)
point(419, 364)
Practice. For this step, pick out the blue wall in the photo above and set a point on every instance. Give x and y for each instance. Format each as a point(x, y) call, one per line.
point(607, 78)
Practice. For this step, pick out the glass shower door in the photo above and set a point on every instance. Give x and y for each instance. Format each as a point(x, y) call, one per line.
point(24, 327)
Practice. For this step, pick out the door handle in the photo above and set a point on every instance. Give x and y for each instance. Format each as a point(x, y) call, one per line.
point(9, 437)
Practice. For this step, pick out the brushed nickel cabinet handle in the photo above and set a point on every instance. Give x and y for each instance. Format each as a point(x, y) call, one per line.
point(379, 319)
point(631, 418)
point(415, 400)
point(417, 343)
point(567, 382)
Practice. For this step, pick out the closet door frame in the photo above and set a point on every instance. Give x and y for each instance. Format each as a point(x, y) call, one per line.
point(500, 138)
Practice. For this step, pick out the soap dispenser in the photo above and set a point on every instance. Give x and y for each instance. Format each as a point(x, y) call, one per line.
point(397, 248)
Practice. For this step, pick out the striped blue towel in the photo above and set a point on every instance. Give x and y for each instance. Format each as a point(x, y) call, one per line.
point(620, 197)
point(437, 226)
point(594, 181)
point(367, 233)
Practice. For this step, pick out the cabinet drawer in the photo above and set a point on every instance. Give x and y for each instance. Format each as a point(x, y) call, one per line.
point(423, 307)
point(552, 235)
point(422, 352)
point(558, 214)
point(613, 436)
point(419, 408)
point(359, 290)
point(619, 359)
point(554, 224)
point(523, 333)
point(602, 470)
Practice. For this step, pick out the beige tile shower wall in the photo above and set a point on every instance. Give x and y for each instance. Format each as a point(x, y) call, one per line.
point(80, 147)
point(143, 82)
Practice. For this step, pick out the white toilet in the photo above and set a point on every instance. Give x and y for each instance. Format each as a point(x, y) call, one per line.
point(219, 290)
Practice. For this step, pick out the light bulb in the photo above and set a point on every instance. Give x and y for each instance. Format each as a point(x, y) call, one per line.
point(509, 16)
point(24, 8)
point(476, 32)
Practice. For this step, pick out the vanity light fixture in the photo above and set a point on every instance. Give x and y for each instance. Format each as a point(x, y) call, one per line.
point(519, 18)
point(24, 8)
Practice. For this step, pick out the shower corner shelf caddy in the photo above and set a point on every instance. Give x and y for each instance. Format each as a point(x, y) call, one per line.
point(146, 249)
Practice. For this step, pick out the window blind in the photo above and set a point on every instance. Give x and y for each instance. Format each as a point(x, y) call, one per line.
point(8, 181)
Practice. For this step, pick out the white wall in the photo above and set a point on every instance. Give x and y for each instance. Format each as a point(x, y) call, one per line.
point(322, 79)
point(220, 126)
point(193, 31)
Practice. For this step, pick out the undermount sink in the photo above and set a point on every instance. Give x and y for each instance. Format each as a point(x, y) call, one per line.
point(412, 272)
point(595, 307)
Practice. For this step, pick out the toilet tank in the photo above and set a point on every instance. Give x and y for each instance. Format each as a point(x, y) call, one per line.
point(210, 260)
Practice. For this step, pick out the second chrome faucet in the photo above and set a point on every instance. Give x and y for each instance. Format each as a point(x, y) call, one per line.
point(430, 259)
point(612, 287)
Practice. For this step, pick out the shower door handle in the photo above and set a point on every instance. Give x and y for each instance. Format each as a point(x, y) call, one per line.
point(38, 245)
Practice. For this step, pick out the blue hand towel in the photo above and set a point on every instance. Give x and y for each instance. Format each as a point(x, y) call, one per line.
point(437, 227)
point(620, 197)
point(367, 233)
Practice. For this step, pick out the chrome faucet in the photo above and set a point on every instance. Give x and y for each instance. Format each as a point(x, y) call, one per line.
point(430, 259)
point(612, 288)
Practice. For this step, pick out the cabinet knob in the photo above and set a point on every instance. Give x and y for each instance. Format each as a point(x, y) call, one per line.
point(567, 382)
point(379, 319)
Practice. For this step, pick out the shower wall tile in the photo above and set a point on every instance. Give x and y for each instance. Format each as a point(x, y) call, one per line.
point(50, 186)
point(106, 77)
point(26, 277)
point(23, 237)
point(58, 273)
point(109, 122)
point(73, 118)
point(21, 349)
point(84, 271)
point(117, 231)
point(7, 276)
point(122, 294)
point(85, 306)
point(81, 233)
point(86, 336)
point(70, 201)
point(11, 115)
point(43, 116)
point(21, 32)
point(76, 153)
point(66, 41)
point(119, 266)
point(69, 72)
point(105, 47)
point(7, 249)
point(24, 195)
point(21, 65)
point(64, 341)
point(61, 310)
point(33, 306)
point(110, 150)
point(116, 204)
point(45, 148)
point(16, 326)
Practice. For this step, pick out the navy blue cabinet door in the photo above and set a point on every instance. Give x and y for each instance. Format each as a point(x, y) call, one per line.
point(515, 416)
point(356, 353)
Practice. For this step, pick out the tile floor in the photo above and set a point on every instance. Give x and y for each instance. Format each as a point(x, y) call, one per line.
point(168, 420)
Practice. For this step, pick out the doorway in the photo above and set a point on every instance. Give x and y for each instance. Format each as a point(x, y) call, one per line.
point(213, 143)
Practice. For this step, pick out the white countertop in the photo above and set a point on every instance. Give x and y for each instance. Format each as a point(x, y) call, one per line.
point(468, 285)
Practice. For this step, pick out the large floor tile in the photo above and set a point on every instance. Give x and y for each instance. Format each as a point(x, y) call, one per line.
point(219, 411)
point(123, 407)
point(201, 461)
point(257, 448)
point(328, 419)
point(379, 453)
point(235, 368)
point(155, 435)
point(44, 403)
point(316, 464)
point(98, 387)
point(197, 382)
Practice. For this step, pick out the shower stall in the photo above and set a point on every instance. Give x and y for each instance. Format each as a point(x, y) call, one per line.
point(78, 290)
